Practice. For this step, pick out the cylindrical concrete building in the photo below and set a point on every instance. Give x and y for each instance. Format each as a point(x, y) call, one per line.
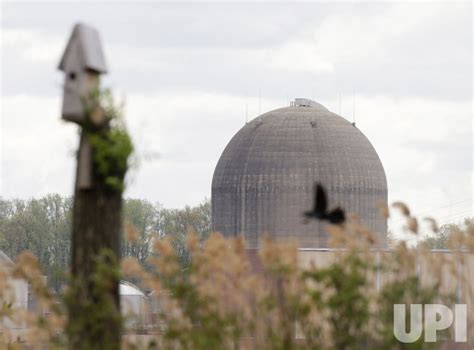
point(264, 179)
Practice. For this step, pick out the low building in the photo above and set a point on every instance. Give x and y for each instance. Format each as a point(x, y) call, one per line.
point(14, 291)
point(133, 304)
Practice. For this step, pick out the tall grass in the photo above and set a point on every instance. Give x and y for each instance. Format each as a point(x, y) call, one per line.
point(229, 297)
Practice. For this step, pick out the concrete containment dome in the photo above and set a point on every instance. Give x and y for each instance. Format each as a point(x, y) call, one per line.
point(263, 181)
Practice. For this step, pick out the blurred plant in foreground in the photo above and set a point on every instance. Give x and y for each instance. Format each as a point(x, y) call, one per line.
point(229, 297)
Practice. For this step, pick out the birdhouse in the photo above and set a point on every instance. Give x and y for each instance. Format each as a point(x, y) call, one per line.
point(82, 62)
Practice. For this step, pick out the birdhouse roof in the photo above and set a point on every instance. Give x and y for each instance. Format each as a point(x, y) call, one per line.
point(90, 48)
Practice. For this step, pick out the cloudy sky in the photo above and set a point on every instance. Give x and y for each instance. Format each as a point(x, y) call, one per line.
point(186, 71)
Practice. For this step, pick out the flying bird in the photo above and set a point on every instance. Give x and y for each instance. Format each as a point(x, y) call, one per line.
point(320, 210)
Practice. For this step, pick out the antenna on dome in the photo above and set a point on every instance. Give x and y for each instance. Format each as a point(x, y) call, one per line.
point(340, 104)
point(353, 109)
point(246, 108)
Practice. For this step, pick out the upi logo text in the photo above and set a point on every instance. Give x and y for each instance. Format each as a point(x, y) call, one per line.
point(437, 317)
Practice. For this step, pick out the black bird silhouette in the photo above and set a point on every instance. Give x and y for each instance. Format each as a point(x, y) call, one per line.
point(320, 210)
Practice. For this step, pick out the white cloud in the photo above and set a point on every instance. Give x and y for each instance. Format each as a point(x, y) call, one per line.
point(298, 56)
point(426, 148)
point(37, 147)
point(186, 71)
point(189, 131)
point(31, 46)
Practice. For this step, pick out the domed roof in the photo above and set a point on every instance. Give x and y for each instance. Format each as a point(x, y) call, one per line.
point(128, 288)
point(265, 176)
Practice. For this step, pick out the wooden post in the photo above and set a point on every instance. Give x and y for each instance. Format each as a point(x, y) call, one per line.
point(93, 299)
point(96, 228)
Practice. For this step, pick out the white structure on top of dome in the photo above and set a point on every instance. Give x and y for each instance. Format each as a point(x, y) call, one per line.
point(304, 102)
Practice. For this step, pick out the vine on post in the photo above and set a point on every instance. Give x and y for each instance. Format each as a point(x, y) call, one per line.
point(93, 301)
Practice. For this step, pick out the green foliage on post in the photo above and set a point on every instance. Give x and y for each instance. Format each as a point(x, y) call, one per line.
point(110, 141)
point(111, 150)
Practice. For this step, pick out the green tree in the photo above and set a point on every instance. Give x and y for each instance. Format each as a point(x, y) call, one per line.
point(42, 226)
point(178, 223)
point(441, 238)
point(141, 215)
point(59, 213)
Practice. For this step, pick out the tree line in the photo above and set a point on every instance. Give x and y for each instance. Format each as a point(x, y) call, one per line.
point(43, 226)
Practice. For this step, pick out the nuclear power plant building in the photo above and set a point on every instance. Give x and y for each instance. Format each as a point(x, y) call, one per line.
point(264, 179)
